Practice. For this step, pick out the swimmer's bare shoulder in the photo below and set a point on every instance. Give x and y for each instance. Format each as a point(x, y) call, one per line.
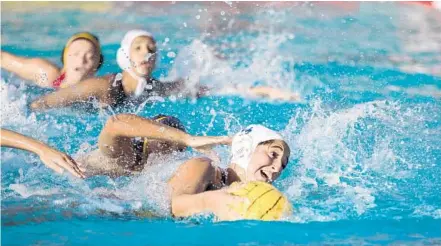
point(197, 173)
point(190, 193)
point(188, 187)
point(46, 72)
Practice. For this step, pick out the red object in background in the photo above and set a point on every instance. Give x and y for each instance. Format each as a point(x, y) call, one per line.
point(425, 3)
point(430, 4)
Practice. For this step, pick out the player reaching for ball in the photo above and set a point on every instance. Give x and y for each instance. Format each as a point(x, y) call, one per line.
point(259, 155)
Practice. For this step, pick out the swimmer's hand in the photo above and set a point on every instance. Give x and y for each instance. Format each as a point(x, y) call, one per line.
point(201, 143)
point(204, 145)
point(224, 204)
point(59, 162)
point(198, 142)
point(274, 93)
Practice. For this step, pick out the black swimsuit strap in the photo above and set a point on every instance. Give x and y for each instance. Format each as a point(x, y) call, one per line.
point(224, 174)
point(138, 146)
point(118, 89)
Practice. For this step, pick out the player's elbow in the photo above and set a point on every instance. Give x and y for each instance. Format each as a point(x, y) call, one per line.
point(115, 122)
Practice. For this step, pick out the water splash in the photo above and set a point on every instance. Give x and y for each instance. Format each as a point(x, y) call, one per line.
point(198, 63)
point(347, 159)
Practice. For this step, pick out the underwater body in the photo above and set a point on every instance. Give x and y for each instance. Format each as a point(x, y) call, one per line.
point(365, 166)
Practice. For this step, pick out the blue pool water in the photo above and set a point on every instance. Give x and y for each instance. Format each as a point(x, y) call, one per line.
point(366, 137)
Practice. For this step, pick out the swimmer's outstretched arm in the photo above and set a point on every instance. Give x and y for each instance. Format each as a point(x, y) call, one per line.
point(52, 158)
point(116, 135)
point(179, 87)
point(94, 88)
point(189, 195)
point(273, 93)
point(40, 71)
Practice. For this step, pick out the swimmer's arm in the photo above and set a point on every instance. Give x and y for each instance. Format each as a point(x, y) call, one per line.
point(52, 158)
point(37, 70)
point(179, 87)
point(18, 141)
point(170, 88)
point(188, 187)
point(97, 88)
point(273, 93)
point(120, 129)
point(189, 196)
point(185, 205)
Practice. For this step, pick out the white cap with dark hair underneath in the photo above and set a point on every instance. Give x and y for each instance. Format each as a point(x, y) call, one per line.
point(245, 142)
point(123, 56)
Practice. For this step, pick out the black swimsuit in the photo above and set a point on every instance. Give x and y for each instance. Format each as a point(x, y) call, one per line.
point(118, 90)
point(224, 175)
point(153, 89)
point(140, 150)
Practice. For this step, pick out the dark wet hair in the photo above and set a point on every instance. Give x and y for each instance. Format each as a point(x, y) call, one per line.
point(172, 122)
point(169, 121)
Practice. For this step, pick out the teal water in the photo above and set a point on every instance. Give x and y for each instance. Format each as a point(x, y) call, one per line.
point(366, 137)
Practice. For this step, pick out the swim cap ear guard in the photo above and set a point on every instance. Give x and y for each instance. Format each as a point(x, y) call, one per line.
point(245, 142)
point(87, 36)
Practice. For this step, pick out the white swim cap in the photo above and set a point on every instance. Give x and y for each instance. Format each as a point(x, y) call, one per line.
point(123, 57)
point(245, 142)
point(123, 54)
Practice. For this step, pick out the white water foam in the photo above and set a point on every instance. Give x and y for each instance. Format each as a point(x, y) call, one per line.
point(198, 63)
point(349, 157)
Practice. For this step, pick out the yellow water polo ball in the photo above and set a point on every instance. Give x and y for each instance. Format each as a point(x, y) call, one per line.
point(265, 202)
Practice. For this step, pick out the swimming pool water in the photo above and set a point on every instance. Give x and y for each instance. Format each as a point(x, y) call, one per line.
point(366, 138)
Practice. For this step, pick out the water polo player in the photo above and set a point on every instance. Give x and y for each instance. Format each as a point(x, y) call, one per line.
point(81, 58)
point(137, 59)
point(258, 154)
point(127, 141)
